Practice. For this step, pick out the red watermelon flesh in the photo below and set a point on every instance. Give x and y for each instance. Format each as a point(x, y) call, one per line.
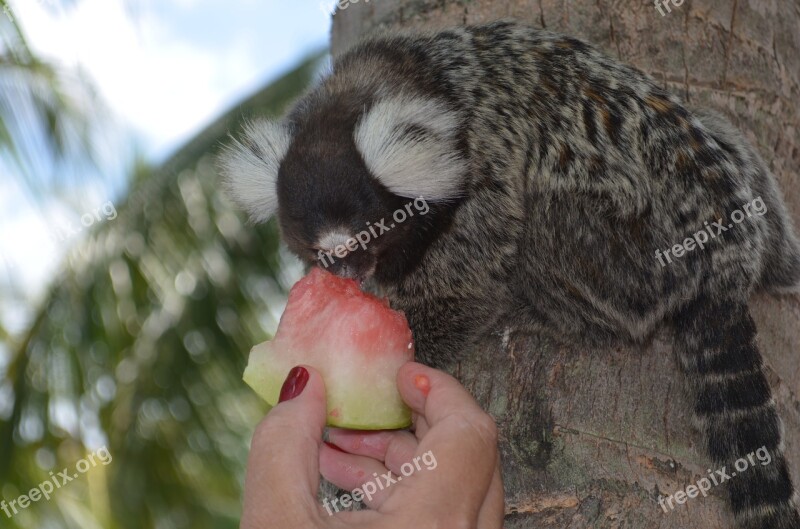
point(354, 339)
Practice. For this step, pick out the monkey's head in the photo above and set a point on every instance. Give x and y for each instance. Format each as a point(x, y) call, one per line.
point(359, 190)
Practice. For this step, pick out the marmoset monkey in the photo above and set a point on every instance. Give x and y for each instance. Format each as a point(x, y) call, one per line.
point(558, 181)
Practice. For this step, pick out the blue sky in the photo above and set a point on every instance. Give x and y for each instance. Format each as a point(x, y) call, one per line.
point(169, 66)
point(165, 68)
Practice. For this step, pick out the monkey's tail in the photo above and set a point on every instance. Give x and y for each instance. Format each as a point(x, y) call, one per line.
point(716, 346)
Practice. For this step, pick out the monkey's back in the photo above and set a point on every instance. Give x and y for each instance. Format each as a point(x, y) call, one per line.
point(591, 168)
point(581, 168)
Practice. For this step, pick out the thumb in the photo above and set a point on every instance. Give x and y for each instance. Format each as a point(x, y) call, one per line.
point(283, 468)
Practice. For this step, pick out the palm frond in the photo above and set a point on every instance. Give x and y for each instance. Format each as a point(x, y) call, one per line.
point(141, 346)
point(49, 117)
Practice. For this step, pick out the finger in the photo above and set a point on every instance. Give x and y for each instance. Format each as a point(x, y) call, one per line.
point(460, 455)
point(286, 443)
point(356, 473)
point(433, 394)
point(392, 448)
point(461, 442)
point(492, 512)
point(420, 425)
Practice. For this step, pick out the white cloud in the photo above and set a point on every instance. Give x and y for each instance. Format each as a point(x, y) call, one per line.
point(185, 4)
point(164, 87)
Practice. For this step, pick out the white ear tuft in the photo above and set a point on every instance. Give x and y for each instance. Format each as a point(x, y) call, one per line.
point(410, 145)
point(250, 167)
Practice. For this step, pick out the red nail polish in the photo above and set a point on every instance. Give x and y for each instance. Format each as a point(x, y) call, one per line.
point(294, 383)
point(333, 446)
point(423, 384)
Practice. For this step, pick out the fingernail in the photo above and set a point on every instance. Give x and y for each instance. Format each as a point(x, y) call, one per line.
point(333, 446)
point(294, 383)
point(423, 384)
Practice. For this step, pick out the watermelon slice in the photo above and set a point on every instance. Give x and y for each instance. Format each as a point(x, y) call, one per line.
point(355, 340)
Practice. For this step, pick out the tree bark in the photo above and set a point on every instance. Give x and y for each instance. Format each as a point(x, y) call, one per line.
point(591, 438)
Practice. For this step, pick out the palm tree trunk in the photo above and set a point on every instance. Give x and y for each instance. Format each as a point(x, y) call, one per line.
point(593, 438)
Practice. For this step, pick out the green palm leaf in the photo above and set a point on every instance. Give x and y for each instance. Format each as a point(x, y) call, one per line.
point(141, 345)
point(49, 117)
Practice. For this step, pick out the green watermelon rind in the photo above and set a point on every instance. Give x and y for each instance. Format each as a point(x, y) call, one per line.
point(376, 409)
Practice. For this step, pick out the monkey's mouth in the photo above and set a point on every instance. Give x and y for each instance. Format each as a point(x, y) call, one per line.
point(358, 277)
point(357, 265)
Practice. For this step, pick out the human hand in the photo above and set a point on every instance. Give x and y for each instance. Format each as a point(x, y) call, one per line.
point(458, 486)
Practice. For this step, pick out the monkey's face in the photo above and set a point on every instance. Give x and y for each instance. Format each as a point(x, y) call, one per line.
point(334, 214)
point(361, 191)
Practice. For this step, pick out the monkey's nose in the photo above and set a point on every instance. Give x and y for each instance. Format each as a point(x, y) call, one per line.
point(355, 265)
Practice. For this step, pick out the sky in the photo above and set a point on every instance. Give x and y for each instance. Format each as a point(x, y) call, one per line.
point(165, 68)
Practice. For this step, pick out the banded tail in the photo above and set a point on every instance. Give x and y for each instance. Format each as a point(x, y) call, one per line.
point(716, 346)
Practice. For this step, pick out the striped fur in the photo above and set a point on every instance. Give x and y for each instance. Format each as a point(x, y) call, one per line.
point(735, 409)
